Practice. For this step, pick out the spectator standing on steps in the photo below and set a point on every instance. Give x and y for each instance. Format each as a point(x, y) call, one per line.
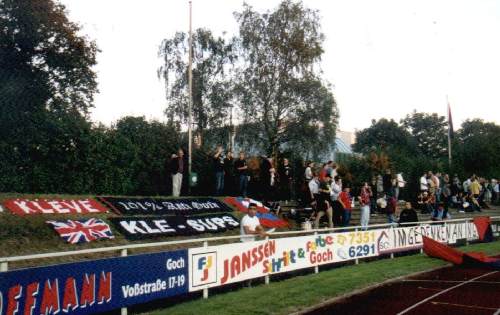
point(424, 186)
point(346, 201)
point(337, 208)
point(324, 206)
point(387, 182)
point(242, 173)
point(364, 201)
point(176, 170)
point(308, 173)
point(285, 174)
point(218, 161)
point(391, 209)
point(229, 181)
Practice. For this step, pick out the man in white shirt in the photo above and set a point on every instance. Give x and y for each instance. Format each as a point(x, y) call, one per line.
point(424, 186)
point(250, 225)
point(466, 185)
point(336, 188)
point(496, 191)
point(314, 187)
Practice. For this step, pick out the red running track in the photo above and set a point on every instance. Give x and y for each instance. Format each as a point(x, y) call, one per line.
point(450, 290)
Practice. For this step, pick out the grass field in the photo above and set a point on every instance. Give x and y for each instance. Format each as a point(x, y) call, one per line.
point(294, 294)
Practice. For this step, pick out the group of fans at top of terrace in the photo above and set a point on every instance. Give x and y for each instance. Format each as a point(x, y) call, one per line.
point(437, 191)
point(436, 197)
point(322, 190)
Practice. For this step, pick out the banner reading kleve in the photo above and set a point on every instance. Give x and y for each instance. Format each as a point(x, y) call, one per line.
point(54, 206)
point(93, 286)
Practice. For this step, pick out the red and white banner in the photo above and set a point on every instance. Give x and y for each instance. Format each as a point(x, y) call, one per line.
point(218, 265)
point(53, 206)
point(407, 238)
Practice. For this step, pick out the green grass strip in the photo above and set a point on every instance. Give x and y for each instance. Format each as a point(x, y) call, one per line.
point(297, 293)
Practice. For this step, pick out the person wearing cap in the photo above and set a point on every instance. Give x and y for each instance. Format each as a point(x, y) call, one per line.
point(250, 225)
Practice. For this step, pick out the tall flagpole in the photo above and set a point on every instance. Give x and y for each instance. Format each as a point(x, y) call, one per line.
point(449, 130)
point(190, 80)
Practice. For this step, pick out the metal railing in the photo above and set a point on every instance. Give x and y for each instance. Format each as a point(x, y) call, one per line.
point(124, 248)
point(4, 261)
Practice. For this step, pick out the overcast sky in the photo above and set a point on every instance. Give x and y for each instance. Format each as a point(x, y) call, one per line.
point(384, 58)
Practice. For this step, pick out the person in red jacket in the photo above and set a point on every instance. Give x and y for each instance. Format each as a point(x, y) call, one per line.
point(346, 200)
point(391, 209)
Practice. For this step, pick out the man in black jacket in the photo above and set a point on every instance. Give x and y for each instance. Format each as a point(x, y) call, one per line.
point(408, 214)
point(285, 174)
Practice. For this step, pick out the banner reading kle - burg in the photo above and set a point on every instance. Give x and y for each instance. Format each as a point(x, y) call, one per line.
point(93, 286)
point(223, 264)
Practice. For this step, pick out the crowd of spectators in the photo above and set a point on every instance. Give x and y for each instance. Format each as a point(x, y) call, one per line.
point(322, 190)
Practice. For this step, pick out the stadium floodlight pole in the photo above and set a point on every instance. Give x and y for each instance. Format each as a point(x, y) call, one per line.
point(190, 80)
point(450, 127)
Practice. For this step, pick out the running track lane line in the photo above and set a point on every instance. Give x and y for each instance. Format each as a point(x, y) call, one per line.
point(444, 291)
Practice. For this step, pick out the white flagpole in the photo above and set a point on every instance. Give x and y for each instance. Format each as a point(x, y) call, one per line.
point(190, 80)
point(449, 130)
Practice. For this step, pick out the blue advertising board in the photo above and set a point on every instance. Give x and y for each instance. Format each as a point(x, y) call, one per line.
point(94, 286)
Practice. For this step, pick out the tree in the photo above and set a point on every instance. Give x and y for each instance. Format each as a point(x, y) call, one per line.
point(213, 60)
point(479, 148)
point(383, 136)
point(44, 64)
point(47, 85)
point(151, 144)
point(429, 132)
point(279, 84)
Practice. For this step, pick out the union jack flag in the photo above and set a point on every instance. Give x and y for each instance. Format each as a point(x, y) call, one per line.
point(82, 231)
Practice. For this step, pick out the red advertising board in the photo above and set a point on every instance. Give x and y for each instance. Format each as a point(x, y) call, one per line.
point(53, 206)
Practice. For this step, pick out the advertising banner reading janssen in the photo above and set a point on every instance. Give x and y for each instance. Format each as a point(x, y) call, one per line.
point(93, 286)
point(223, 264)
point(406, 238)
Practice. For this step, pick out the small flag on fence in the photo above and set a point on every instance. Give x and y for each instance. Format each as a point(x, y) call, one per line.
point(266, 218)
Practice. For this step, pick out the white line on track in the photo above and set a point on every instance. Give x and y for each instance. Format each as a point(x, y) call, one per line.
point(430, 289)
point(465, 306)
point(497, 312)
point(444, 291)
point(448, 281)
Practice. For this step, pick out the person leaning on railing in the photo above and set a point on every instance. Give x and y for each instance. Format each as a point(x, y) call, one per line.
point(408, 214)
point(250, 225)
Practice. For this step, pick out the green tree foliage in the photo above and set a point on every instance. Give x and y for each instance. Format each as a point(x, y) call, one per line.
point(429, 131)
point(151, 144)
point(478, 148)
point(269, 74)
point(213, 60)
point(47, 85)
point(384, 136)
point(44, 64)
point(418, 145)
point(279, 83)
